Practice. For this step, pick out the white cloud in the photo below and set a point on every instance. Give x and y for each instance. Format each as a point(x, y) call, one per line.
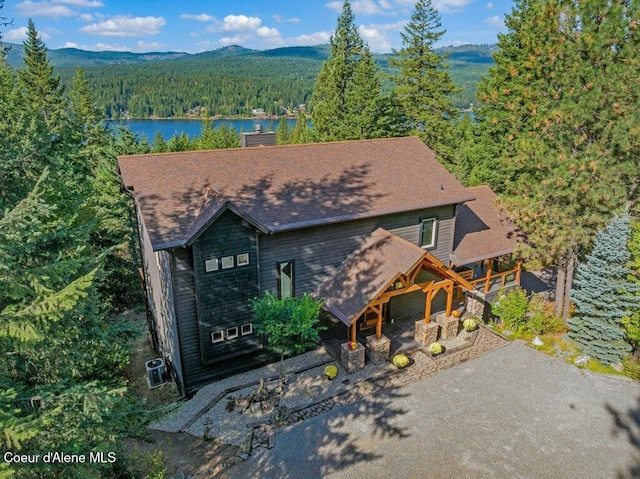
point(379, 36)
point(265, 32)
point(239, 23)
point(316, 38)
point(18, 35)
point(149, 46)
point(281, 19)
point(489, 5)
point(495, 20)
point(86, 17)
point(81, 3)
point(202, 17)
point(70, 45)
point(234, 40)
point(43, 9)
point(126, 26)
point(450, 6)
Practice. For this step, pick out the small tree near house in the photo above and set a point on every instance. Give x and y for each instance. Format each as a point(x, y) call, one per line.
point(288, 324)
point(604, 295)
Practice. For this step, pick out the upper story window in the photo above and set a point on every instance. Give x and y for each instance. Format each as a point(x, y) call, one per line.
point(428, 233)
point(286, 273)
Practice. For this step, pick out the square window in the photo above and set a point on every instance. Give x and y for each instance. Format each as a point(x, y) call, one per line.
point(428, 228)
point(227, 262)
point(246, 329)
point(217, 337)
point(211, 265)
point(232, 333)
point(242, 259)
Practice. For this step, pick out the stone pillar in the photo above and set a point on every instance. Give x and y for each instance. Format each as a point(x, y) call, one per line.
point(449, 325)
point(378, 349)
point(426, 334)
point(474, 305)
point(352, 360)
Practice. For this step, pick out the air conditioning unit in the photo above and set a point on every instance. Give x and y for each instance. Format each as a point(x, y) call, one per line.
point(155, 372)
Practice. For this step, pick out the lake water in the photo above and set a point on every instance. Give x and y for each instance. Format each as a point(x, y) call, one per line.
point(170, 128)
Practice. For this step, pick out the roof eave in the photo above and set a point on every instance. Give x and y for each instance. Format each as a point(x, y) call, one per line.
point(369, 214)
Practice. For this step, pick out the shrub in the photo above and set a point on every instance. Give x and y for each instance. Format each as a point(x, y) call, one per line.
point(542, 317)
point(331, 371)
point(631, 367)
point(511, 308)
point(470, 324)
point(435, 349)
point(400, 361)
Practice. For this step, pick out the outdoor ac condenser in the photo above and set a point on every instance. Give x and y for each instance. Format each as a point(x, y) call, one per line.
point(155, 372)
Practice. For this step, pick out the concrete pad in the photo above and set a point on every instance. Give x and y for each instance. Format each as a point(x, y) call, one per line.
point(512, 412)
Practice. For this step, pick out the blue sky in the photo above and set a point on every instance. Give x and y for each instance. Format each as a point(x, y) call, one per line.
point(196, 26)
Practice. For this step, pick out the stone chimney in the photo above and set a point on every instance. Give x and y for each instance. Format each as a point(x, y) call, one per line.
point(258, 138)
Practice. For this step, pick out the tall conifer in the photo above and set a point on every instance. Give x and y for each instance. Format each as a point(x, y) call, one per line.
point(423, 82)
point(604, 295)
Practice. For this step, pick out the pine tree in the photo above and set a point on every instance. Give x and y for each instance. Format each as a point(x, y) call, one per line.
point(565, 169)
point(42, 86)
point(362, 100)
point(423, 82)
point(330, 97)
point(604, 295)
point(283, 132)
point(158, 145)
point(301, 132)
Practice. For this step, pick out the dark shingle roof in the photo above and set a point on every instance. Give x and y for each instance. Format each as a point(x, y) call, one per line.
point(481, 232)
point(285, 187)
point(366, 272)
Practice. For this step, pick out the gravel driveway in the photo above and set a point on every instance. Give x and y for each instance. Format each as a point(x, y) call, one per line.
point(510, 413)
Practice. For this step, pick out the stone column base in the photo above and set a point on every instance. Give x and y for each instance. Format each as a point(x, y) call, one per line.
point(378, 349)
point(352, 360)
point(426, 334)
point(449, 326)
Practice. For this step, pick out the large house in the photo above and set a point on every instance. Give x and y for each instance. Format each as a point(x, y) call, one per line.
point(377, 229)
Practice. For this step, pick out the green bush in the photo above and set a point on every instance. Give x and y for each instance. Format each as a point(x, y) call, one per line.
point(400, 361)
point(511, 309)
point(631, 367)
point(330, 371)
point(435, 349)
point(470, 324)
point(542, 317)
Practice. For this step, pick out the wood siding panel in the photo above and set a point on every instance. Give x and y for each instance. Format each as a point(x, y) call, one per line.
point(223, 296)
point(318, 250)
point(156, 267)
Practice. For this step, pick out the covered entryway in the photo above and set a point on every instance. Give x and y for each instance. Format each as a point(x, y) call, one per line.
point(382, 272)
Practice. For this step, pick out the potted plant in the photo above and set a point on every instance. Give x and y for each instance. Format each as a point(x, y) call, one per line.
point(400, 361)
point(469, 325)
point(435, 349)
point(330, 372)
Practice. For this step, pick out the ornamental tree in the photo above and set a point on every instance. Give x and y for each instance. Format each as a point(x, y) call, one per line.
point(288, 324)
point(604, 295)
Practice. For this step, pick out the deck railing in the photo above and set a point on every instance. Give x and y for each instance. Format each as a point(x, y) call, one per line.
point(492, 277)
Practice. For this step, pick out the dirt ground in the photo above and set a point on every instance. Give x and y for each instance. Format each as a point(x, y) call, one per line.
point(181, 453)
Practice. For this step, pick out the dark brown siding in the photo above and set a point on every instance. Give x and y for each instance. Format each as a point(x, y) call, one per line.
point(317, 251)
point(223, 296)
point(160, 300)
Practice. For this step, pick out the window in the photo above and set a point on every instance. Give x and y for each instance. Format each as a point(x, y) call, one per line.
point(246, 329)
point(428, 228)
point(211, 265)
point(286, 286)
point(217, 337)
point(227, 262)
point(232, 333)
point(242, 259)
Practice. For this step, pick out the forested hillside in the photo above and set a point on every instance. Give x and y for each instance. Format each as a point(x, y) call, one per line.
point(229, 81)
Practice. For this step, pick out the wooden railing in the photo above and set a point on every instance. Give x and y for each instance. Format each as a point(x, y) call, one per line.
point(492, 276)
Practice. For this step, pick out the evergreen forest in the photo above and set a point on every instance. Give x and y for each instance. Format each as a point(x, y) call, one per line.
point(556, 134)
point(231, 81)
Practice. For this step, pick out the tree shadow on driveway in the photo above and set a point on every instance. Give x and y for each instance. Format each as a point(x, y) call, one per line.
point(329, 442)
point(627, 423)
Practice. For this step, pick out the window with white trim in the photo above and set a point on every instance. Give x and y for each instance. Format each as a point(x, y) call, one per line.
point(428, 230)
